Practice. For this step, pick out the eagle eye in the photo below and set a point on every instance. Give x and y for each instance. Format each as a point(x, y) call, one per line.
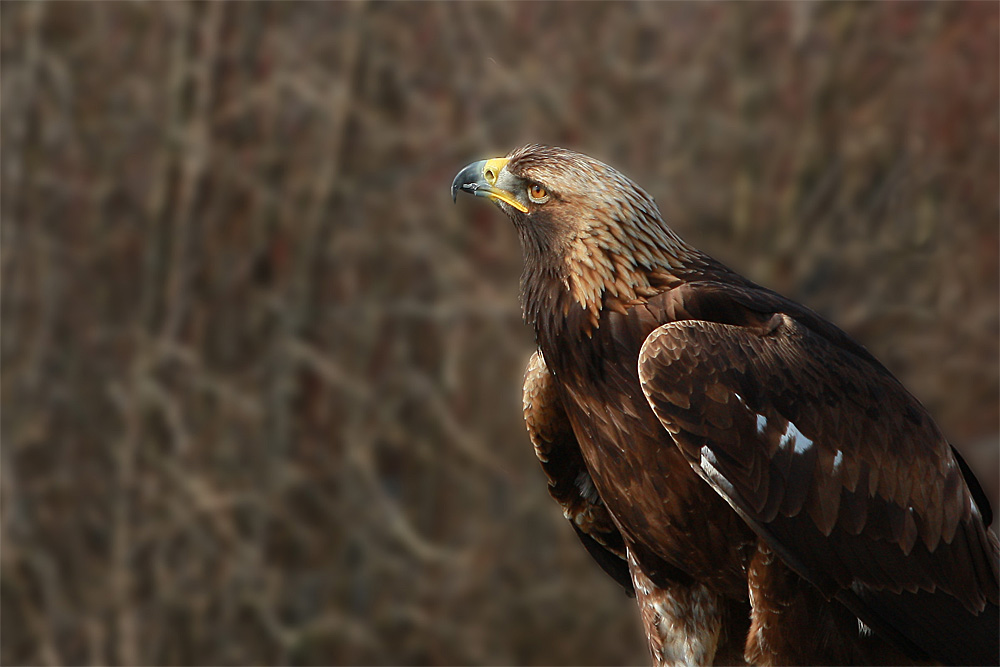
point(537, 193)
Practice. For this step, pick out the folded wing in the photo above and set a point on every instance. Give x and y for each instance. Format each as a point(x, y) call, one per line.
point(570, 483)
point(840, 470)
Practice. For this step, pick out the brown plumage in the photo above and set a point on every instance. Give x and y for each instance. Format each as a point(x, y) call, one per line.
point(763, 485)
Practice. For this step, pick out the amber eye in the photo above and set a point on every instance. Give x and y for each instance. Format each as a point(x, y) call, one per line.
point(537, 193)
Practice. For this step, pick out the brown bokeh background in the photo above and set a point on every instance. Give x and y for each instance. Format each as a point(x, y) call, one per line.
point(260, 389)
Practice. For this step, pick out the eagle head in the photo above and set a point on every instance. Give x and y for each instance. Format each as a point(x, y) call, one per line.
point(589, 233)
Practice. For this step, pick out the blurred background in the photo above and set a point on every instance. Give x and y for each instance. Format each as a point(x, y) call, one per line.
point(261, 378)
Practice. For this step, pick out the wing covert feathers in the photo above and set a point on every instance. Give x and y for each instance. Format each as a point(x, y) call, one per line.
point(838, 469)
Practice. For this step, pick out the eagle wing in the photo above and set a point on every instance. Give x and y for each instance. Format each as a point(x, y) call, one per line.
point(839, 469)
point(569, 480)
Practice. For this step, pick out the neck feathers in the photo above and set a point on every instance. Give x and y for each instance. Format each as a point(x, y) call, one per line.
point(607, 264)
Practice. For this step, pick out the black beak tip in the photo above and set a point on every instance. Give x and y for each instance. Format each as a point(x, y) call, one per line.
point(467, 180)
point(456, 186)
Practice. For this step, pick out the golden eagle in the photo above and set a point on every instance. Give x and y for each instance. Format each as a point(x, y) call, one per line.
point(767, 490)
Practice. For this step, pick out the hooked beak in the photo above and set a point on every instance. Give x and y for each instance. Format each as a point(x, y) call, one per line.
point(479, 179)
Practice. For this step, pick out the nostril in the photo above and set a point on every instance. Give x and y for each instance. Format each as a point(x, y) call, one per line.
point(491, 176)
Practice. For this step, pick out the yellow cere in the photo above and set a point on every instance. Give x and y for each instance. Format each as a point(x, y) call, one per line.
point(491, 171)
